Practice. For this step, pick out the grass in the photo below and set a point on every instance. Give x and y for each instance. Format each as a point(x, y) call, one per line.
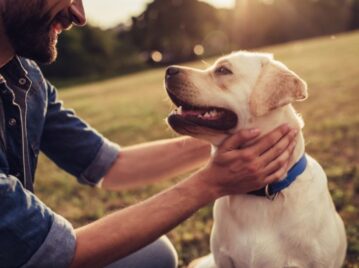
point(132, 108)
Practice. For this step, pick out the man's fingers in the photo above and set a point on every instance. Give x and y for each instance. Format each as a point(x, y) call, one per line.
point(284, 144)
point(276, 176)
point(270, 139)
point(236, 140)
point(280, 166)
point(280, 161)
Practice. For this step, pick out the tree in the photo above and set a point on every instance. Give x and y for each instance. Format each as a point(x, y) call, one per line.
point(174, 27)
point(354, 23)
point(263, 22)
point(92, 52)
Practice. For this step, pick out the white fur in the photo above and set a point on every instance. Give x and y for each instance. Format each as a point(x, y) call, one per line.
point(301, 227)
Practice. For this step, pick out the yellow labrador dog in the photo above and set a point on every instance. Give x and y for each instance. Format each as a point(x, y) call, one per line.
point(290, 223)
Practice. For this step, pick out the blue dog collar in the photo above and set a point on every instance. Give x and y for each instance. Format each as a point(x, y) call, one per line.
point(271, 190)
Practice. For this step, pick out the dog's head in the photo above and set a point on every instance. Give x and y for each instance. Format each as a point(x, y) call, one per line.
point(226, 97)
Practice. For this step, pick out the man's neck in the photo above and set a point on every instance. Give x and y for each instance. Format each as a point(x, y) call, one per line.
point(6, 50)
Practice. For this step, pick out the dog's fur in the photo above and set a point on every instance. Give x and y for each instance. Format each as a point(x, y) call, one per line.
point(301, 227)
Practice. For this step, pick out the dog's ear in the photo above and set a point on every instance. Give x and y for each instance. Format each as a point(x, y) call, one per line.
point(276, 86)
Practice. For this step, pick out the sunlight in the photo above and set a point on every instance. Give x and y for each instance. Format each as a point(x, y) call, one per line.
point(268, 2)
point(221, 3)
point(108, 13)
point(156, 56)
point(198, 50)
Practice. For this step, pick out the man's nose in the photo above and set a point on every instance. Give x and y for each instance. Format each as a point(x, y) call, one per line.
point(78, 13)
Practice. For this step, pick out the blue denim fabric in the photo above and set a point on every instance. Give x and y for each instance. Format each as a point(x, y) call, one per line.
point(33, 119)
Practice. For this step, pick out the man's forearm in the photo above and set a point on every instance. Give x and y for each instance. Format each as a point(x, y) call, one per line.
point(230, 172)
point(150, 162)
point(125, 231)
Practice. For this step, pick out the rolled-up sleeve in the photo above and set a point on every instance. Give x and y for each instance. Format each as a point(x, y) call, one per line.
point(32, 235)
point(73, 145)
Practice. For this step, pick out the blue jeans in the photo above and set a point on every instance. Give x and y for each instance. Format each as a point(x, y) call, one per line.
point(159, 254)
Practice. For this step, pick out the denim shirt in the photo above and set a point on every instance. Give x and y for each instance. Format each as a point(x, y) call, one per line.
point(32, 119)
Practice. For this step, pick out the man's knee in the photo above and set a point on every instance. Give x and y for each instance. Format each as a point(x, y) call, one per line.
point(159, 254)
point(167, 253)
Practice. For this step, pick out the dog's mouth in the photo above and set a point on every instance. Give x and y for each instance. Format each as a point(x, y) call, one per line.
point(215, 118)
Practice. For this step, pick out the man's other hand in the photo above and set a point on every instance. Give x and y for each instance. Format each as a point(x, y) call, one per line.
point(238, 168)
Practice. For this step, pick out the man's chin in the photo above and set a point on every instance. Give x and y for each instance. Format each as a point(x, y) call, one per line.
point(40, 48)
point(48, 58)
point(43, 55)
point(40, 57)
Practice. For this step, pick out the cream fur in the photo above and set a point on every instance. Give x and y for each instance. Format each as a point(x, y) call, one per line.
point(301, 227)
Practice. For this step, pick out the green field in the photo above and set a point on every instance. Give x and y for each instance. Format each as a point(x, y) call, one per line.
point(132, 109)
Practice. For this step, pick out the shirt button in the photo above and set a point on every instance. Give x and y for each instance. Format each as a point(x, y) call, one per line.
point(12, 122)
point(22, 81)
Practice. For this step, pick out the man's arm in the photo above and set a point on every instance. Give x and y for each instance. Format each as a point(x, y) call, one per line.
point(80, 150)
point(149, 162)
point(30, 232)
point(231, 171)
point(125, 231)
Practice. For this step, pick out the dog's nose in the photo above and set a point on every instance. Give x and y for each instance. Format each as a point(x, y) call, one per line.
point(171, 71)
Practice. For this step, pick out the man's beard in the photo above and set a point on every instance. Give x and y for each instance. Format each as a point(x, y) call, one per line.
point(29, 30)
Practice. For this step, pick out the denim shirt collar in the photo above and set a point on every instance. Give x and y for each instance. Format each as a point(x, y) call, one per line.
point(13, 71)
point(18, 84)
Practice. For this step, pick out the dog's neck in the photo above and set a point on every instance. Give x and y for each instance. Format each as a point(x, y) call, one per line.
point(280, 116)
point(269, 122)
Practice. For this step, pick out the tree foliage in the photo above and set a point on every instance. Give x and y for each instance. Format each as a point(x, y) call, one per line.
point(93, 52)
point(175, 27)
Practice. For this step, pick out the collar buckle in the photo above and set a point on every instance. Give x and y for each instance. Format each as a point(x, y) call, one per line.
point(269, 196)
point(271, 191)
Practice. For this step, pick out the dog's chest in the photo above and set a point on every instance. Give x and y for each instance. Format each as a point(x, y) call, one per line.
point(255, 240)
point(255, 232)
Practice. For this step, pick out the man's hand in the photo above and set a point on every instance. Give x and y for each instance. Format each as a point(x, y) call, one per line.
point(236, 168)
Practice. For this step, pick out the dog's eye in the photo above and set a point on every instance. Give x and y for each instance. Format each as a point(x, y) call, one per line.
point(223, 71)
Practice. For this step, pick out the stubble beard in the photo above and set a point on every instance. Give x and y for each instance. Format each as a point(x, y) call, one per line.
point(29, 30)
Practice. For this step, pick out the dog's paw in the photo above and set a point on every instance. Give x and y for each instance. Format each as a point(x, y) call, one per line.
point(203, 262)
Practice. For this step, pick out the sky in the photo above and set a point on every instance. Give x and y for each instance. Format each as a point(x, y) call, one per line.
point(108, 13)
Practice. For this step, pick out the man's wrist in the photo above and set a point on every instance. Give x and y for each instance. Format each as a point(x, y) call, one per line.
point(202, 190)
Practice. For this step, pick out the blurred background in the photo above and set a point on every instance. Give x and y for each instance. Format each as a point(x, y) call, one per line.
point(144, 33)
point(111, 72)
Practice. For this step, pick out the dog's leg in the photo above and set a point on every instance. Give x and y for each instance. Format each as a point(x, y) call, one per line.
point(224, 261)
point(204, 262)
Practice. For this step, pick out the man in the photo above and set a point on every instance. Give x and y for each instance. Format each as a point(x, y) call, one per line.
point(33, 119)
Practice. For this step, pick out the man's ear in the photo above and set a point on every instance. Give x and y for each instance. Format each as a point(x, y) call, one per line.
point(276, 86)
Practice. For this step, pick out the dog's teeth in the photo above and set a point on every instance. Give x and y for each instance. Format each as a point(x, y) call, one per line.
point(209, 115)
point(177, 111)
